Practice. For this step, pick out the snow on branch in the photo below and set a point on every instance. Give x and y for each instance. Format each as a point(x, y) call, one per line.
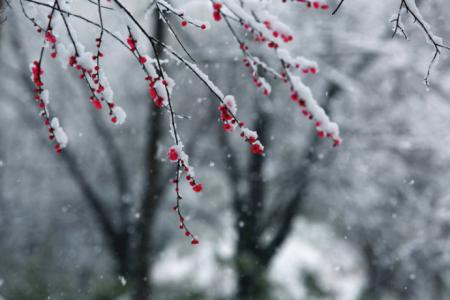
point(269, 30)
point(410, 7)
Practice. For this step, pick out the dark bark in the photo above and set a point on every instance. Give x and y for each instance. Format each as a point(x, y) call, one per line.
point(249, 265)
point(251, 272)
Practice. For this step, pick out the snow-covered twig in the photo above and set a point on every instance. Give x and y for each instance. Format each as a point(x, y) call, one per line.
point(410, 7)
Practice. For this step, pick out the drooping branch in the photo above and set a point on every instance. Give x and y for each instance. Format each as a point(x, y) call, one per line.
point(249, 24)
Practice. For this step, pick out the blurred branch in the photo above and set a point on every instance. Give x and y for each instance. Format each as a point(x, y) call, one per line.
point(3, 5)
point(287, 214)
point(232, 169)
point(92, 198)
point(118, 164)
point(283, 217)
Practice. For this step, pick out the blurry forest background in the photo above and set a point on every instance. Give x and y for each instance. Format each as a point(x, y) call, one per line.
point(368, 220)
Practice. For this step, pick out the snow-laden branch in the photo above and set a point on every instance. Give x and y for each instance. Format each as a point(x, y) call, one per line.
point(253, 26)
point(410, 7)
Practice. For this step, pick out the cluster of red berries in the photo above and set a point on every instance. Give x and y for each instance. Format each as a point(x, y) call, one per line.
point(255, 146)
point(51, 39)
point(176, 155)
point(41, 99)
point(216, 11)
point(320, 132)
point(277, 34)
point(313, 4)
point(305, 70)
point(259, 37)
point(230, 123)
point(131, 43)
point(182, 226)
point(153, 81)
point(157, 99)
point(184, 23)
point(37, 72)
point(36, 25)
point(96, 73)
point(97, 97)
point(258, 81)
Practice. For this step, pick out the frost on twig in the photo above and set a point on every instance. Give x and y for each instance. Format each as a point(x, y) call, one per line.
point(410, 7)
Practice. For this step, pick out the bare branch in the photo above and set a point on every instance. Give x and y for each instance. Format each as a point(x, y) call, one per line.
point(337, 8)
point(411, 8)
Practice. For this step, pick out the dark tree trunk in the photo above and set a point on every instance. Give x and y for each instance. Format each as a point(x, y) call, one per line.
point(250, 267)
point(251, 281)
point(152, 195)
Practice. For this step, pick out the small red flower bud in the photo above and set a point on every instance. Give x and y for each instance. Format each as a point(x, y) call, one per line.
point(216, 15)
point(97, 104)
point(173, 155)
point(142, 60)
point(198, 188)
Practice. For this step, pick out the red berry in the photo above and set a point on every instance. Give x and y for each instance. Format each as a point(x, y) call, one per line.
point(216, 15)
point(198, 188)
point(173, 155)
point(131, 43)
point(97, 104)
point(256, 149)
point(142, 60)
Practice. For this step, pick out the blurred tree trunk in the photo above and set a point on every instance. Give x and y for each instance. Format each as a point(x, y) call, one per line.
point(250, 266)
point(253, 252)
point(153, 191)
